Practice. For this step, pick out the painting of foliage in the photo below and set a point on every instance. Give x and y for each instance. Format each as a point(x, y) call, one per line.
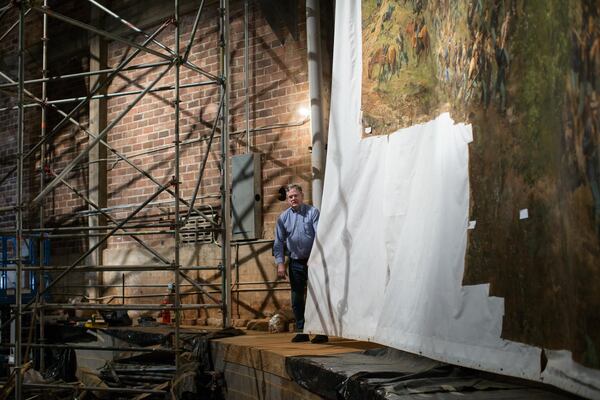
point(526, 75)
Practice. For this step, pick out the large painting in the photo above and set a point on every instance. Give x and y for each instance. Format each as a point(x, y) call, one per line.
point(526, 75)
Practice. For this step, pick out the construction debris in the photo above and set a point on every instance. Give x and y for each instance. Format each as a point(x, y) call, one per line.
point(9, 386)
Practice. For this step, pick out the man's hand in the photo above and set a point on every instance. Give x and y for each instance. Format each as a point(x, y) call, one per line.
point(281, 271)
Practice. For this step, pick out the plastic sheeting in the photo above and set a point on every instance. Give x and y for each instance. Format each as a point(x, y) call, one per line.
point(388, 260)
point(392, 374)
point(139, 337)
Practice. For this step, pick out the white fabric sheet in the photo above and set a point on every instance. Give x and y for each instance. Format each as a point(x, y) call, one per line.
point(388, 261)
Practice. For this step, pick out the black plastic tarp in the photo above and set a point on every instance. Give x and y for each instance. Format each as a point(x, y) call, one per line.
point(140, 337)
point(392, 374)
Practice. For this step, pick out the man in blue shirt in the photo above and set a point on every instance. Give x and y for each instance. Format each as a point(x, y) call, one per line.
point(295, 231)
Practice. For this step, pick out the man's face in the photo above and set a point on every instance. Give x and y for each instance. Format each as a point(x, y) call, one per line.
point(295, 198)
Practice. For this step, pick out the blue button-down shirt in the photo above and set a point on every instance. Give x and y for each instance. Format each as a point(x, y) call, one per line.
point(295, 230)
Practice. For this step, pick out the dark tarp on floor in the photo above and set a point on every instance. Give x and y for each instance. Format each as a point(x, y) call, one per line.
point(196, 377)
point(139, 337)
point(392, 374)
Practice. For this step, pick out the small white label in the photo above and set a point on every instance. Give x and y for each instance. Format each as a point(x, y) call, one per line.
point(368, 130)
point(471, 224)
point(523, 214)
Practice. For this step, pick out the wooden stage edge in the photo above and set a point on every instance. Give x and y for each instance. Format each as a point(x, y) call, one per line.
point(254, 364)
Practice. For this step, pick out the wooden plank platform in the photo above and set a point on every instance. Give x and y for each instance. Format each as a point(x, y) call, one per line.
point(254, 364)
point(267, 352)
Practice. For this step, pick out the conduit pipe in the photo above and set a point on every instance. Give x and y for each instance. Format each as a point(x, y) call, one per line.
point(313, 46)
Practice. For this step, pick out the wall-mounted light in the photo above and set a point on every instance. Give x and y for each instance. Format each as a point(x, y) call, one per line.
point(303, 111)
point(282, 195)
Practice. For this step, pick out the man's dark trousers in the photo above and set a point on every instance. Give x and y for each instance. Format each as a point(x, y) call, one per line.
point(298, 273)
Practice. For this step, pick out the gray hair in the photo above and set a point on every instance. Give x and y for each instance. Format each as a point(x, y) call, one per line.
point(293, 186)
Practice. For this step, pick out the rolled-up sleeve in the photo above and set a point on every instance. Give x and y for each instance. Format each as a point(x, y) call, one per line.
point(279, 244)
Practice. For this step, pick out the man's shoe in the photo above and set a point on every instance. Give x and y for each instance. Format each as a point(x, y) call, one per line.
point(300, 337)
point(320, 339)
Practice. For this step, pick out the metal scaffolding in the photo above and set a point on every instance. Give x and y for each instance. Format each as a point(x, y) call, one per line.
point(168, 61)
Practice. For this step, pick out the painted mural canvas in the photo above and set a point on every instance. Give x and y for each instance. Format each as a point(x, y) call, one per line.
point(423, 57)
point(415, 62)
point(526, 75)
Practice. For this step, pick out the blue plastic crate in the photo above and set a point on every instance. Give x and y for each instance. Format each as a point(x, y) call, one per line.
point(30, 256)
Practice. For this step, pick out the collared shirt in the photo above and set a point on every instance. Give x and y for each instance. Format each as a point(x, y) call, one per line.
point(295, 230)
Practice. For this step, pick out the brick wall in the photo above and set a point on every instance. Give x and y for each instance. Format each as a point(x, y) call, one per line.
point(67, 54)
point(278, 84)
point(9, 117)
point(278, 88)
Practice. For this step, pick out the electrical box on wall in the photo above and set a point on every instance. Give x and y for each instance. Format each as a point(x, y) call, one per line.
point(246, 198)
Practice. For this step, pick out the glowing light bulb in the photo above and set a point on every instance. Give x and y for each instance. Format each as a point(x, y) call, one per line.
point(303, 111)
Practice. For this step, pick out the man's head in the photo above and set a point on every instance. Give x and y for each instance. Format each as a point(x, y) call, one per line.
point(294, 196)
